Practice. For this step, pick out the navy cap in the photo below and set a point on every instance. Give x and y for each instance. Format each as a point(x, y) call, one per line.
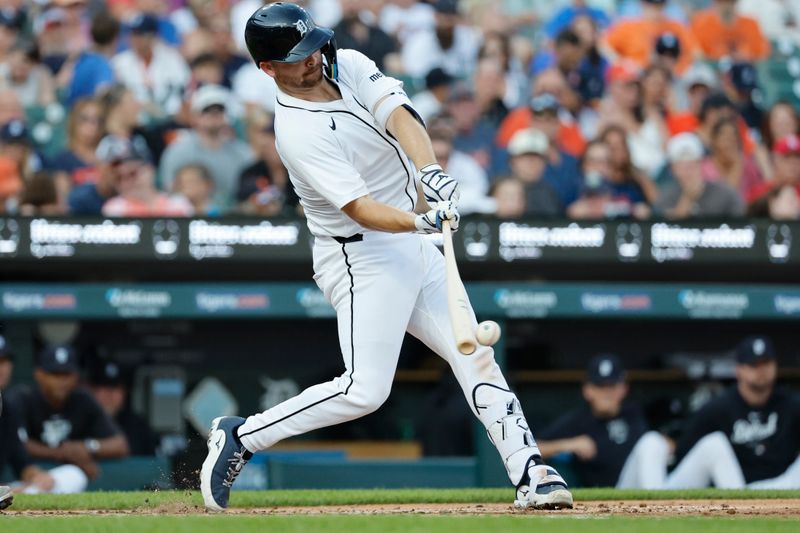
point(143, 23)
point(106, 373)
point(755, 349)
point(605, 369)
point(11, 18)
point(744, 76)
point(5, 349)
point(437, 78)
point(668, 44)
point(14, 132)
point(58, 359)
point(113, 149)
point(544, 102)
point(446, 6)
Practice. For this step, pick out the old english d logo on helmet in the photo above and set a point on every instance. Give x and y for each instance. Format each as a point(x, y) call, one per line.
point(286, 33)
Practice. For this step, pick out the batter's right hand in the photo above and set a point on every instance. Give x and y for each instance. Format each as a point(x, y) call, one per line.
point(431, 222)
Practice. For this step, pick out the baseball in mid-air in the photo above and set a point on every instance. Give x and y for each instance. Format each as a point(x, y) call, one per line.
point(488, 332)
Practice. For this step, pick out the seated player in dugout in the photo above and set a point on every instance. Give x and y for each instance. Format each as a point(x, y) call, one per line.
point(602, 433)
point(61, 422)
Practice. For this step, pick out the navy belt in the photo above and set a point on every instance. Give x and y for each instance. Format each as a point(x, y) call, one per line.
point(358, 237)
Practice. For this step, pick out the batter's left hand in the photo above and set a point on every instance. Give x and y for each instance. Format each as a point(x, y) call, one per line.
point(431, 222)
point(437, 186)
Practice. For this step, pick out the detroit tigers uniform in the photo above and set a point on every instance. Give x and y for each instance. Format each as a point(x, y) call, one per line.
point(380, 284)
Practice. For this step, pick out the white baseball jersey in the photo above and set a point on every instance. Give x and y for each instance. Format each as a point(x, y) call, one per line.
point(338, 151)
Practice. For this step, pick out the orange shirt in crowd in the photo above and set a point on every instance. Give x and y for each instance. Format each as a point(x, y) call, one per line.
point(636, 40)
point(570, 139)
point(743, 39)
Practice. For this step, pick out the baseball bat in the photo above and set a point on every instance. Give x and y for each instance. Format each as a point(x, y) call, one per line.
point(457, 302)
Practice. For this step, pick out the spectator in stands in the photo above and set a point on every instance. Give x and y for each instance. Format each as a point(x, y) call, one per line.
point(430, 102)
point(755, 420)
point(691, 90)
point(728, 163)
point(358, 31)
point(721, 33)
point(194, 182)
point(785, 164)
point(15, 144)
point(264, 188)
point(691, 195)
point(593, 66)
point(473, 182)
point(599, 196)
point(627, 182)
point(509, 196)
point(473, 135)
point(112, 157)
point(120, 111)
point(10, 107)
point(667, 52)
point(402, 18)
point(77, 164)
point(61, 422)
point(11, 185)
point(643, 121)
point(778, 19)
point(91, 70)
point(137, 195)
point(53, 37)
point(740, 83)
point(548, 89)
point(497, 47)
point(602, 433)
point(155, 72)
point(108, 383)
point(23, 74)
point(452, 44)
point(11, 23)
point(781, 120)
point(224, 48)
point(529, 150)
point(211, 142)
point(489, 83)
point(635, 38)
point(714, 108)
point(207, 69)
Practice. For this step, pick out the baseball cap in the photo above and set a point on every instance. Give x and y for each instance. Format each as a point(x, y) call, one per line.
point(623, 71)
point(58, 359)
point(437, 77)
point(544, 102)
point(12, 19)
point(605, 369)
point(668, 44)
point(5, 349)
point(685, 147)
point(528, 141)
point(108, 373)
point(755, 349)
point(787, 145)
point(210, 95)
point(700, 74)
point(14, 131)
point(744, 76)
point(113, 149)
point(143, 23)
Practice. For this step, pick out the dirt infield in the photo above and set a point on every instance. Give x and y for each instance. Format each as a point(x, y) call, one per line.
point(749, 508)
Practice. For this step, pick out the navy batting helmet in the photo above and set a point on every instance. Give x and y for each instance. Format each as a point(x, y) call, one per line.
point(286, 33)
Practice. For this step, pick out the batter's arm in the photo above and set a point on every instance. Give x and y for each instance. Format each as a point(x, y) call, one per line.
point(378, 216)
point(412, 136)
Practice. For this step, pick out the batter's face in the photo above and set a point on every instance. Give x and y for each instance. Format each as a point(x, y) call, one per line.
point(296, 77)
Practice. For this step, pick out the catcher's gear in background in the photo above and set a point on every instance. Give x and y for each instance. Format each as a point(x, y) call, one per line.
point(431, 222)
point(286, 33)
point(438, 186)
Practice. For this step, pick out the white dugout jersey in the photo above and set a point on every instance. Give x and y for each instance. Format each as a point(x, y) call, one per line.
point(338, 151)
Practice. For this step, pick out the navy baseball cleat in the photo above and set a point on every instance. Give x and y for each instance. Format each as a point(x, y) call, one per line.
point(6, 497)
point(543, 488)
point(225, 460)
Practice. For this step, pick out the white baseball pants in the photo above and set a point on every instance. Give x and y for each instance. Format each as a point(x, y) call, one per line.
point(381, 287)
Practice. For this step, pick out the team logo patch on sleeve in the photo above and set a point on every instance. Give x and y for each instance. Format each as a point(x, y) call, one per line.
point(376, 76)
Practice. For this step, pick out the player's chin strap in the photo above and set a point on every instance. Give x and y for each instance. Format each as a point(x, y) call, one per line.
point(330, 64)
point(507, 429)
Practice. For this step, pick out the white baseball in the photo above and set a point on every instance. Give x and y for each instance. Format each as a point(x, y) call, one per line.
point(488, 332)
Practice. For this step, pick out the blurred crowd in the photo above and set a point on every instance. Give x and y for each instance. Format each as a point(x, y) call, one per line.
point(586, 109)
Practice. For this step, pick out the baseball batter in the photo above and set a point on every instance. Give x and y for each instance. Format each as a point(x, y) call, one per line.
point(352, 144)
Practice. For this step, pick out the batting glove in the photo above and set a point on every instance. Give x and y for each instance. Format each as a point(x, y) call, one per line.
point(431, 222)
point(438, 186)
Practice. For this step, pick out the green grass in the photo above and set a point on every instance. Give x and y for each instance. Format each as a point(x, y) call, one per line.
point(388, 524)
point(245, 499)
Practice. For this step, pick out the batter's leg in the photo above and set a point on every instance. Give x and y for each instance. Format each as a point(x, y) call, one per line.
point(486, 391)
point(710, 462)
